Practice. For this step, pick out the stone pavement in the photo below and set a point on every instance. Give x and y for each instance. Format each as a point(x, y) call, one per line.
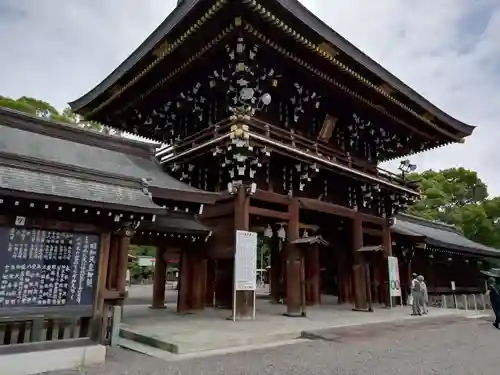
point(209, 330)
point(452, 347)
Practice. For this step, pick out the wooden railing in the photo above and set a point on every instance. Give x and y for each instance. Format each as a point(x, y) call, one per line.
point(42, 327)
point(321, 148)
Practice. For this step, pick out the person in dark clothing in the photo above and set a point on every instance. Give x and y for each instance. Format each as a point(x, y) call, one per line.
point(495, 300)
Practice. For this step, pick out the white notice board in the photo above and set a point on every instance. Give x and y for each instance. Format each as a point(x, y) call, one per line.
point(245, 261)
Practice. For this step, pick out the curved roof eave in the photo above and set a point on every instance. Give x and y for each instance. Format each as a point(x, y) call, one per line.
point(313, 22)
point(172, 20)
point(301, 13)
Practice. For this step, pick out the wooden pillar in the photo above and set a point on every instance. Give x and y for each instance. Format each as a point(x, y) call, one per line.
point(121, 273)
point(113, 262)
point(312, 272)
point(276, 268)
point(244, 299)
point(293, 263)
point(387, 244)
point(210, 283)
point(160, 278)
point(358, 271)
point(198, 279)
point(183, 302)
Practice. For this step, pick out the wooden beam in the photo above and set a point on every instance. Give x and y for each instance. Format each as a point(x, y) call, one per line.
point(372, 232)
point(264, 212)
point(270, 197)
point(326, 207)
point(366, 218)
point(218, 210)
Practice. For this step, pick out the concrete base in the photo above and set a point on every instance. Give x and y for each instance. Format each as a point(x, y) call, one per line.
point(52, 360)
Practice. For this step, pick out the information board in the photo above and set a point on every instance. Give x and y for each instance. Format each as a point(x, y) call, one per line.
point(394, 280)
point(47, 268)
point(245, 261)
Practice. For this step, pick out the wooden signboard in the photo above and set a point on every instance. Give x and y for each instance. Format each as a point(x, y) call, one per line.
point(47, 268)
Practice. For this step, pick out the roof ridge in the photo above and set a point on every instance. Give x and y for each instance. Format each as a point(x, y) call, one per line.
point(430, 223)
point(73, 133)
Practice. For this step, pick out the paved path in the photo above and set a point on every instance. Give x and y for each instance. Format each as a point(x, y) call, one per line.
point(456, 347)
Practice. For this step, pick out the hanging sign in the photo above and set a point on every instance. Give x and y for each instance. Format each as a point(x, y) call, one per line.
point(245, 261)
point(394, 280)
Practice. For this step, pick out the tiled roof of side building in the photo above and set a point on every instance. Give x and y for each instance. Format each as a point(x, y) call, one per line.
point(46, 141)
point(440, 235)
point(52, 187)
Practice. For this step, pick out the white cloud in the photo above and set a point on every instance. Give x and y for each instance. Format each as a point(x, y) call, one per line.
point(447, 50)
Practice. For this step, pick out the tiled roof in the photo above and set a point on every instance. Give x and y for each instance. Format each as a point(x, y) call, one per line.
point(176, 222)
point(440, 235)
point(92, 193)
point(84, 151)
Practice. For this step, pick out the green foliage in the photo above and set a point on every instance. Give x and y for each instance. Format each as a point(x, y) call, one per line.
point(458, 196)
point(137, 272)
point(43, 109)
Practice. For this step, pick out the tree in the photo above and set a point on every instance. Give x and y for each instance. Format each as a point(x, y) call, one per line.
point(458, 196)
point(45, 110)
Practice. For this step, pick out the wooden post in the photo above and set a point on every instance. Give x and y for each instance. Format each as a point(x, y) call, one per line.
point(121, 272)
point(276, 266)
point(387, 244)
point(183, 300)
point(293, 266)
point(312, 269)
point(113, 262)
point(244, 299)
point(358, 272)
point(100, 288)
point(160, 278)
point(198, 278)
point(210, 283)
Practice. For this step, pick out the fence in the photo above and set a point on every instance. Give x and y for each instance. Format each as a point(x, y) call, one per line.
point(44, 328)
point(474, 302)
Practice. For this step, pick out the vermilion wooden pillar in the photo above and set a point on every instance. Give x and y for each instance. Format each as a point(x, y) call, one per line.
point(312, 273)
point(358, 269)
point(293, 263)
point(387, 244)
point(160, 278)
point(244, 299)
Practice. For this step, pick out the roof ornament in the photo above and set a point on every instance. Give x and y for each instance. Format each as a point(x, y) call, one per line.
point(145, 184)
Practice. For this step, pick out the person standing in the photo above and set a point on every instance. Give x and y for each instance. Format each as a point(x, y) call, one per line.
point(425, 296)
point(495, 300)
point(416, 293)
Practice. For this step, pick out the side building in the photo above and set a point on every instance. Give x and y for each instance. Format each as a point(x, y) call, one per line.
point(71, 203)
point(264, 103)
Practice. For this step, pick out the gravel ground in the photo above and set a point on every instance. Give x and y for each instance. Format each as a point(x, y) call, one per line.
point(455, 347)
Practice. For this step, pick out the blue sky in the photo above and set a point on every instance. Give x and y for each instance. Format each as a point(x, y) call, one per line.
point(448, 50)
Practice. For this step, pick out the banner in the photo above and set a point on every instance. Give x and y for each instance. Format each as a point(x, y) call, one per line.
point(394, 280)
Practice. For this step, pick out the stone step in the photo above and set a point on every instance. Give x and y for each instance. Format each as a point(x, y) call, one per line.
point(194, 347)
point(167, 356)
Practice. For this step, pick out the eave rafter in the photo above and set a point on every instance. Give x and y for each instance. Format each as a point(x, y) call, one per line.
point(326, 53)
point(299, 154)
point(277, 22)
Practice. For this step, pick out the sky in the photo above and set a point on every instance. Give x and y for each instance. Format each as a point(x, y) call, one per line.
point(447, 50)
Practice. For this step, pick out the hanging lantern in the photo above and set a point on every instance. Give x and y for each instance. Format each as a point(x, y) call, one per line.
point(282, 233)
point(268, 232)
